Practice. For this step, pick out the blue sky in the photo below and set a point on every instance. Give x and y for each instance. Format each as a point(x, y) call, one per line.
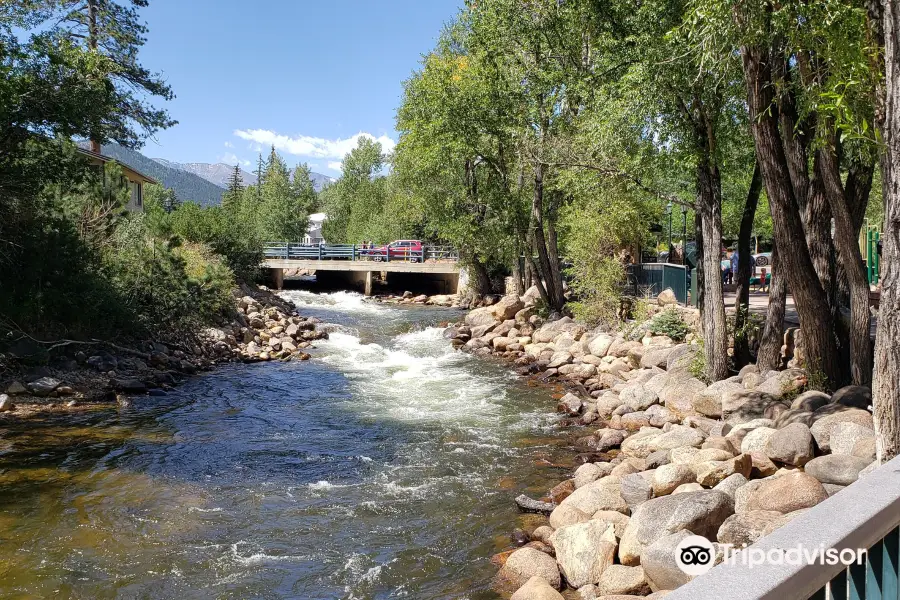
point(306, 75)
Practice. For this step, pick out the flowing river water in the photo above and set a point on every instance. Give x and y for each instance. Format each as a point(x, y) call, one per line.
point(385, 467)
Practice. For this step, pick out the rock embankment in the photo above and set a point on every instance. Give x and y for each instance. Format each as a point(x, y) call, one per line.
point(263, 327)
point(664, 454)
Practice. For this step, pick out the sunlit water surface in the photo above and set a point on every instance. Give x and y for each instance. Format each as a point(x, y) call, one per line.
point(383, 468)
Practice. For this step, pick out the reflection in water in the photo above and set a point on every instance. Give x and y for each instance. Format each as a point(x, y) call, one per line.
point(384, 467)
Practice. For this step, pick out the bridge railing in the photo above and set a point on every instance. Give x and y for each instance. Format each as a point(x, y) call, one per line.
point(291, 251)
point(864, 516)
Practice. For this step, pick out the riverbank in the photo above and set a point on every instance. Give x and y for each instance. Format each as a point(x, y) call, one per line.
point(664, 455)
point(79, 375)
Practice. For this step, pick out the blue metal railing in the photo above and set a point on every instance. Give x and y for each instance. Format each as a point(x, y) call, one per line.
point(653, 278)
point(291, 251)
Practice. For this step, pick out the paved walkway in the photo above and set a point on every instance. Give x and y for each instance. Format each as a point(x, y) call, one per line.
point(759, 304)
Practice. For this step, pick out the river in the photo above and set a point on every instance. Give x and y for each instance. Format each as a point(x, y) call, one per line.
point(385, 467)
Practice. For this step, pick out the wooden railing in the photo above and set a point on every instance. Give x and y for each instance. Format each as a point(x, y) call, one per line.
point(291, 251)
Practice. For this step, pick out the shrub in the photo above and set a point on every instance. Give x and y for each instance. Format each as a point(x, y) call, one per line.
point(669, 323)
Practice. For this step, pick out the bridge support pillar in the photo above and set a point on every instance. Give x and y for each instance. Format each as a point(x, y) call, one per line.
point(368, 284)
point(277, 278)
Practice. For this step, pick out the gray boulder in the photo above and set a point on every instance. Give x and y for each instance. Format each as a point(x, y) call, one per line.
point(659, 564)
point(536, 588)
point(635, 489)
point(792, 445)
point(826, 420)
point(846, 436)
point(584, 551)
point(837, 469)
point(785, 494)
point(638, 397)
point(702, 512)
point(811, 401)
point(853, 396)
point(747, 528)
point(525, 563)
point(623, 581)
point(44, 386)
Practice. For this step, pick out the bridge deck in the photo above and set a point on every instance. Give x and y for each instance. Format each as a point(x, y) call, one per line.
point(394, 266)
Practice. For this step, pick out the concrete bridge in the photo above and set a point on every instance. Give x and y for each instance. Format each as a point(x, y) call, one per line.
point(357, 266)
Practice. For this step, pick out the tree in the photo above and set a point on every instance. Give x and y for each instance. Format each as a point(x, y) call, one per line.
point(886, 385)
point(113, 33)
point(231, 199)
point(283, 215)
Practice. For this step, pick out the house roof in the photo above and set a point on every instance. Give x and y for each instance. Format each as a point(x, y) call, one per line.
point(105, 159)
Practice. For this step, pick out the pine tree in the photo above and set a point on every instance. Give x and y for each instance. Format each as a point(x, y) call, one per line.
point(260, 173)
point(115, 31)
point(235, 191)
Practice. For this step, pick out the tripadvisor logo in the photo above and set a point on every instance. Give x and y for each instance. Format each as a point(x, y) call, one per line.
point(695, 555)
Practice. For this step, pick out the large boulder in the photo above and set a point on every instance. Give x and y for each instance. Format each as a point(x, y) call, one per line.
point(584, 551)
point(564, 515)
point(666, 298)
point(747, 528)
point(836, 468)
point(44, 386)
point(757, 439)
point(480, 317)
point(740, 406)
point(507, 308)
point(811, 401)
point(846, 436)
point(599, 495)
point(786, 493)
point(550, 331)
point(638, 397)
point(712, 473)
point(678, 393)
point(624, 581)
point(792, 445)
point(782, 383)
point(656, 357)
point(853, 396)
point(701, 512)
point(590, 472)
point(647, 441)
point(827, 420)
point(536, 588)
point(525, 563)
point(709, 401)
point(635, 490)
point(659, 563)
point(668, 477)
point(600, 345)
point(617, 520)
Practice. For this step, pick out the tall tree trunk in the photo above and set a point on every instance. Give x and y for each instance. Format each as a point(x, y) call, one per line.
point(886, 386)
point(852, 265)
point(702, 274)
point(815, 317)
point(712, 307)
point(539, 240)
point(769, 356)
point(553, 255)
point(482, 281)
point(742, 290)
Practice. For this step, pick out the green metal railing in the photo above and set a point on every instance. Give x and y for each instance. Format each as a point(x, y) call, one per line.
point(291, 251)
point(653, 278)
point(873, 259)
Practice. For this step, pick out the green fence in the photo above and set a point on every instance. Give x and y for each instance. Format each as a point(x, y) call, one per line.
point(871, 237)
point(649, 279)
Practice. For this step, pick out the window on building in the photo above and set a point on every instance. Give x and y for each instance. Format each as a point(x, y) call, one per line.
point(137, 199)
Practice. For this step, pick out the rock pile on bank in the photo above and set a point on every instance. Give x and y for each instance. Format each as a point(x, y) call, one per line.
point(263, 327)
point(664, 454)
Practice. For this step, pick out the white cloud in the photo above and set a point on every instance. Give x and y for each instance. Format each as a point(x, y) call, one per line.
point(232, 159)
point(336, 165)
point(312, 146)
point(229, 145)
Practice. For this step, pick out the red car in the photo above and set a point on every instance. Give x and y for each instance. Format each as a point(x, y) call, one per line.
point(404, 249)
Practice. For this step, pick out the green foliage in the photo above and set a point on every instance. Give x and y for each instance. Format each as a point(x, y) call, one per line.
point(697, 367)
point(669, 323)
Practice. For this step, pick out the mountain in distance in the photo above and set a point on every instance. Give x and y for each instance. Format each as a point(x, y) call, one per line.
point(187, 185)
point(220, 173)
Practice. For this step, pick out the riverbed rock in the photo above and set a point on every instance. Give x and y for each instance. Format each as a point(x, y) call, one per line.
point(559, 359)
point(666, 298)
point(853, 396)
point(590, 472)
point(824, 425)
point(565, 515)
point(635, 490)
point(6, 404)
point(712, 473)
point(44, 386)
point(659, 563)
point(836, 469)
point(571, 404)
point(668, 477)
point(600, 345)
point(536, 588)
point(701, 512)
point(747, 528)
point(480, 317)
point(584, 551)
point(741, 406)
point(709, 401)
point(16, 388)
point(525, 563)
point(638, 397)
point(785, 494)
point(617, 520)
point(812, 401)
point(623, 581)
point(782, 383)
point(846, 435)
point(599, 495)
point(647, 441)
point(507, 308)
point(792, 445)
point(678, 393)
